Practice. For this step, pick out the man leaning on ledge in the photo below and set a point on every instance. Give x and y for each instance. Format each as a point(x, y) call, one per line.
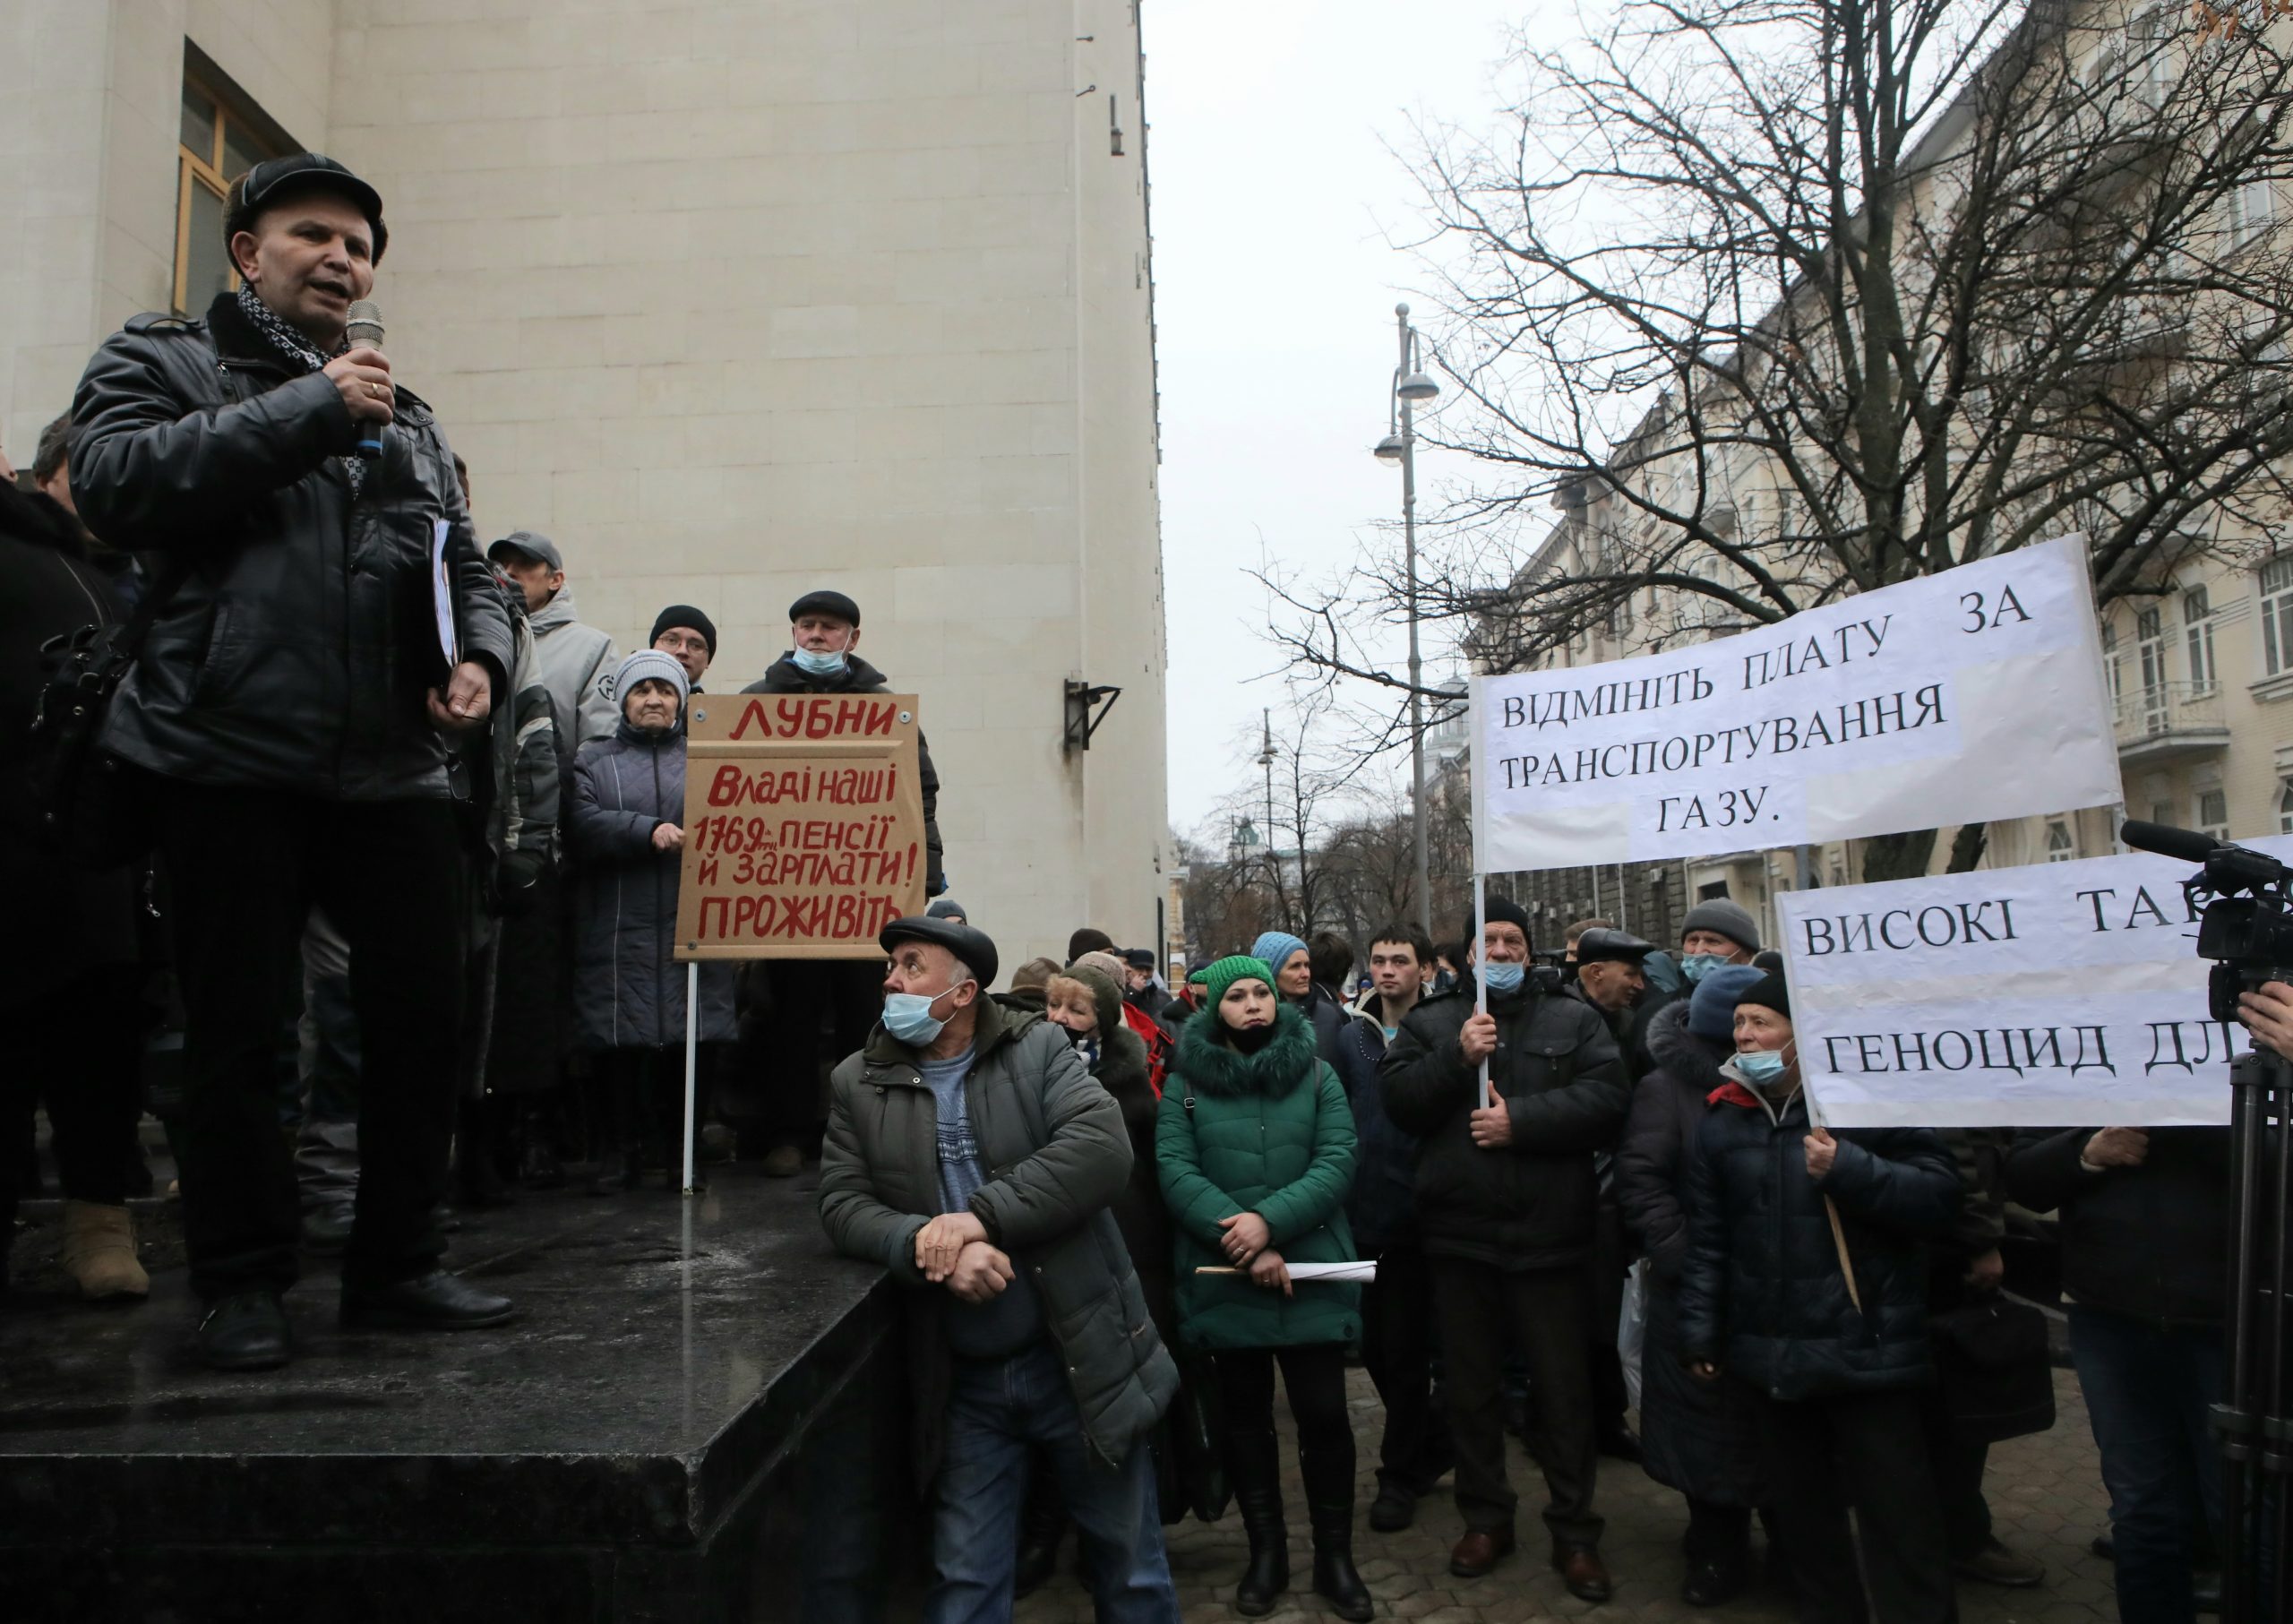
point(293, 711)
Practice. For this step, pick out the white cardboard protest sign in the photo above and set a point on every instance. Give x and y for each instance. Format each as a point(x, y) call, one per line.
point(2057, 995)
point(1957, 698)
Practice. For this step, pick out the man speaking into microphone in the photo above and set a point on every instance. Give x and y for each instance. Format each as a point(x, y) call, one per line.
point(293, 708)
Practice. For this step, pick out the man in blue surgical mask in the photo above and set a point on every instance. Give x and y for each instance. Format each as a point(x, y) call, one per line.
point(970, 1152)
point(1507, 1198)
point(773, 1096)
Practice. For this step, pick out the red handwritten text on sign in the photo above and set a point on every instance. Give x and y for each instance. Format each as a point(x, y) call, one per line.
point(805, 826)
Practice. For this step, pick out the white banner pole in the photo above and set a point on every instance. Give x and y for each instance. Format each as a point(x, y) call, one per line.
point(691, 1059)
point(1481, 966)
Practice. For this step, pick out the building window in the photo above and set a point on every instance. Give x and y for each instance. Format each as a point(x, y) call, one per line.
point(2277, 616)
point(2110, 666)
point(2285, 807)
point(216, 145)
point(2150, 650)
point(2059, 847)
point(2253, 205)
point(2213, 812)
point(2197, 635)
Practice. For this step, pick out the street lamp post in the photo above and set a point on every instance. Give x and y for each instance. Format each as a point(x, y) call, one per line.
point(1412, 385)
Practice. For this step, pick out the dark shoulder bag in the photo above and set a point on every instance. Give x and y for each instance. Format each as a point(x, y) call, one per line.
point(84, 797)
point(1996, 1376)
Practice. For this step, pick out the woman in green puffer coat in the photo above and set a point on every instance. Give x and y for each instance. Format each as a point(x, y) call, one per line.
point(1255, 1148)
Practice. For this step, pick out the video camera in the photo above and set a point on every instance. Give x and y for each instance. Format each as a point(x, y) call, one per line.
point(2239, 898)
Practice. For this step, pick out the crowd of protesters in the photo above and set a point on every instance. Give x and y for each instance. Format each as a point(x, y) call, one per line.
point(411, 903)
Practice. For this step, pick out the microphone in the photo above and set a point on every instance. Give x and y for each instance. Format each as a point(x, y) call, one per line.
point(2167, 841)
point(365, 329)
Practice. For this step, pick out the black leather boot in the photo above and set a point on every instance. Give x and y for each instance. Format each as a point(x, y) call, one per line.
point(1329, 1512)
point(1254, 1460)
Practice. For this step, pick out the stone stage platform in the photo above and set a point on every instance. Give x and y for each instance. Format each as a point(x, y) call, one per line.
point(698, 1415)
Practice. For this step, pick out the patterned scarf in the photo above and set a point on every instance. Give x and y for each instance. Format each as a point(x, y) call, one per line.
point(295, 348)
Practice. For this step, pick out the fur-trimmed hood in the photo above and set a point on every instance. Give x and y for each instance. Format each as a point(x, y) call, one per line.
point(1287, 1059)
point(1690, 1060)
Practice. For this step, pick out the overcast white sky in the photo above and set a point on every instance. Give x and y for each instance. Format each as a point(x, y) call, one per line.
point(1274, 194)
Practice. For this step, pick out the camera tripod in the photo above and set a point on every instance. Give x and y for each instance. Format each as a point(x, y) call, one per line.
point(2254, 1420)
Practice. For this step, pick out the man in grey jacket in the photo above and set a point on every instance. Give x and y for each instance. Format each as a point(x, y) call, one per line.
point(970, 1152)
point(575, 660)
point(295, 721)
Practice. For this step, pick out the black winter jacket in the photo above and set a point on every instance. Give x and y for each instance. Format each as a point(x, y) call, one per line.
point(1532, 1206)
point(69, 920)
point(296, 655)
point(1701, 1438)
point(2151, 1242)
point(785, 675)
point(1382, 1205)
point(1761, 1292)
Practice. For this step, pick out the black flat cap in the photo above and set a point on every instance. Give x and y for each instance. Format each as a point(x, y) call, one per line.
point(274, 180)
point(529, 544)
point(1139, 958)
point(1602, 946)
point(972, 946)
point(825, 602)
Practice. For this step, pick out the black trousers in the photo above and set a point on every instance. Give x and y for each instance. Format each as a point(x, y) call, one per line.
point(243, 868)
point(1314, 1376)
point(1543, 1313)
point(78, 1049)
point(1605, 1282)
point(1958, 1467)
point(1397, 1349)
point(1867, 1450)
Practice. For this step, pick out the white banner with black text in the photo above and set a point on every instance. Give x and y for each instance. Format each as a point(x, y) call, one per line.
point(2061, 994)
point(1957, 698)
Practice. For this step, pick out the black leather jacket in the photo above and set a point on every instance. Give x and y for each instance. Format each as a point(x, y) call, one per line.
point(296, 654)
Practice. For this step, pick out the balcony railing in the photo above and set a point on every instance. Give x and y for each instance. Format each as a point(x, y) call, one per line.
point(2165, 717)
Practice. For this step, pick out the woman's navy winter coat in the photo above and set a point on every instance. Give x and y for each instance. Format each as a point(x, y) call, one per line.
point(1761, 1292)
point(628, 993)
point(1701, 1438)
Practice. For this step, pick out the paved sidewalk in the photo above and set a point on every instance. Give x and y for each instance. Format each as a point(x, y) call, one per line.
point(2045, 1491)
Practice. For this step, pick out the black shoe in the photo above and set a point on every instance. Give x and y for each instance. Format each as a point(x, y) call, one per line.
point(245, 1331)
point(1039, 1538)
point(326, 1232)
point(1712, 1585)
point(1394, 1510)
point(1618, 1443)
point(435, 1301)
point(538, 1167)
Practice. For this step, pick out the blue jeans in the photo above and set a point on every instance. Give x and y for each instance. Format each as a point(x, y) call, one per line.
point(2148, 1390)
point(999, 1411)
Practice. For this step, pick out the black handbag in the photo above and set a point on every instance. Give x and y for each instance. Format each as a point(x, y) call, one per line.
point(85, 798)
point(1996, 1374)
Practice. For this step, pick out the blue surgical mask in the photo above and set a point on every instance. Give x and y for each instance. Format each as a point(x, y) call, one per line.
point(1695, 966)
point(907, 1016)
point(821, 665)
point(1759, 1067)
point(1503, 977)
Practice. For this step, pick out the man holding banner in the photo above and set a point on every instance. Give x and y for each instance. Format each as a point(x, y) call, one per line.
point(1507, 1201)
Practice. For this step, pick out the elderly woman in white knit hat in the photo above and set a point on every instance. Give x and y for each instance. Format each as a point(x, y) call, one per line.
point(629, 996)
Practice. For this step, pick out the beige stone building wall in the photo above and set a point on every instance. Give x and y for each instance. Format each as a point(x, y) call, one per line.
point(732, 299)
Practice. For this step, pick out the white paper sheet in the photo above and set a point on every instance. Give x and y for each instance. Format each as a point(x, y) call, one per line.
point(442, 597)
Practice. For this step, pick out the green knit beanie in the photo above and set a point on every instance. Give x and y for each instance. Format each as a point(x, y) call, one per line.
point(1226, 972)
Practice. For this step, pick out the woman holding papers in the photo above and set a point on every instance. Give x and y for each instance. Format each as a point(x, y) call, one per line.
point(1256, 1149)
